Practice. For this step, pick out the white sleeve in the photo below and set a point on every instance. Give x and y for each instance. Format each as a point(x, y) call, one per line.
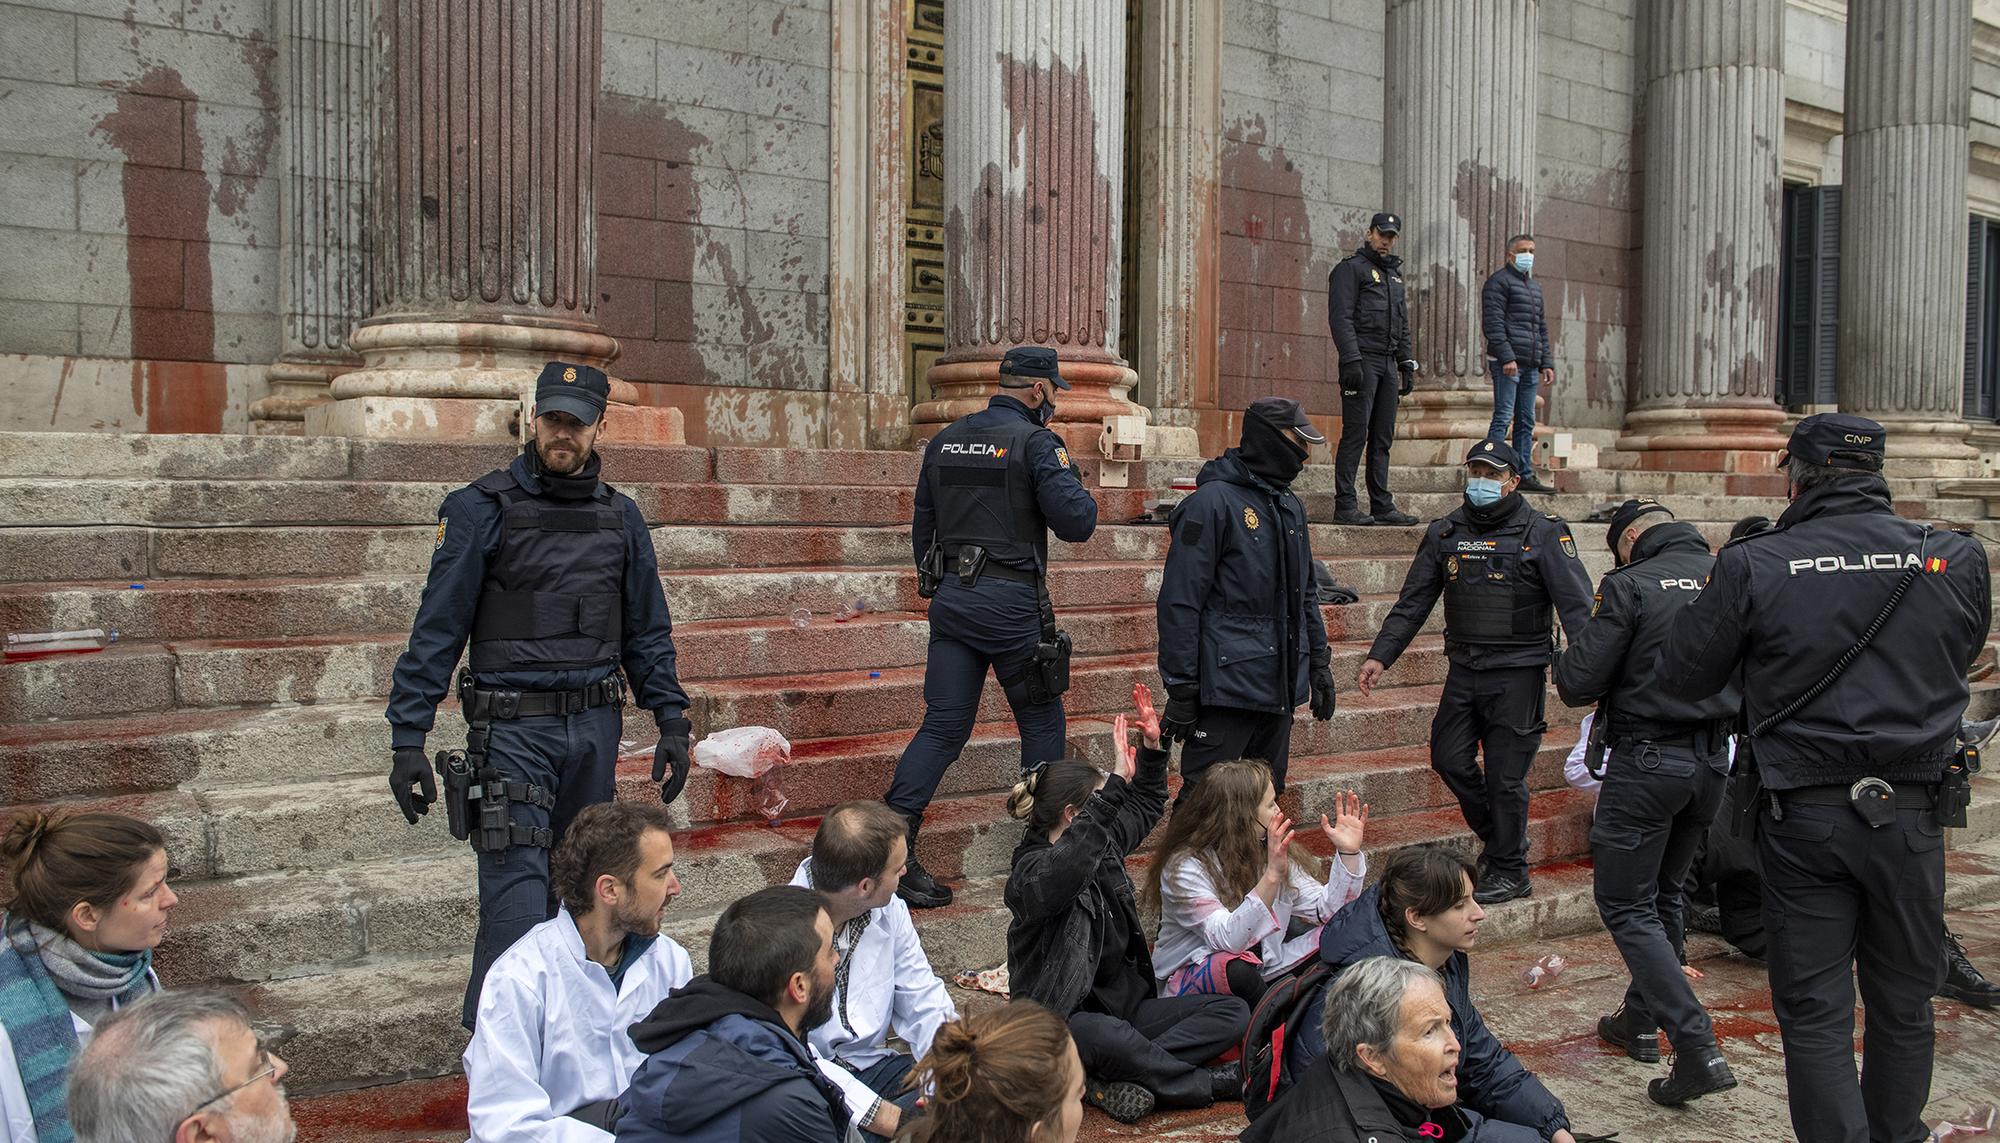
point(860, 1097)
point(1317, 903)
point(505, 1100)
point(1187, 895)
point(15, 1114)
point(1575, 771)
point(922, 1005)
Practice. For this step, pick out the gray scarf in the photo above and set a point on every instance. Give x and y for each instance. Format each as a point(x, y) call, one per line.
point(94, 984)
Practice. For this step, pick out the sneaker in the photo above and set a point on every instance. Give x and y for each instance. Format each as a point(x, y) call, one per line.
point(1352, 516)
point(1963, 981)
point(1226, 1082)
point(1618, 1030)
point(1695, 1074)
point(1702, 918)
point(1497, 887)
point(1125, 1102)
point(1533, 483)
point(919, 890)
point(1395, 519)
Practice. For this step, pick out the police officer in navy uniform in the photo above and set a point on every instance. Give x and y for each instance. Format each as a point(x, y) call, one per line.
point(1500, 566)
point(1853, 764)
point(994, 485)
point(1667, 763)
point(551, 576)
point(1369, 313)
point(1242, 641)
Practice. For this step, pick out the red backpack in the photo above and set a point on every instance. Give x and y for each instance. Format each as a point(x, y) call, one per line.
point(1266, 1075)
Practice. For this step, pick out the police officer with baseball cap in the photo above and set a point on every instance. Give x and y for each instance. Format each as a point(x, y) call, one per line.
point(1500, 566)
point(1369, 314)
point(551, 576)
point(993, 486)
point(1242, 640)
point(1851, 629)
point(1663, 781)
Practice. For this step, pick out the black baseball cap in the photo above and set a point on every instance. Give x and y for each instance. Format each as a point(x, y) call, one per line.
point(1285, 413)
point(1837, 440)
point(1624, 514)
point(1497, 454)
point(1386, 223)
point(1035, 361)
point(579, 390)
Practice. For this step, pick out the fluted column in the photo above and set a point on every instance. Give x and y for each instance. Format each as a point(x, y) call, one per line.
point(1715, 114)
point(1459, 167)
point(1034, 169)
point(1903, 230)
point(325, 87)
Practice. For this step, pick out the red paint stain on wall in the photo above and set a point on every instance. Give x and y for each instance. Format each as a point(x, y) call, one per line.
point(166, 213)
point(1273, 333)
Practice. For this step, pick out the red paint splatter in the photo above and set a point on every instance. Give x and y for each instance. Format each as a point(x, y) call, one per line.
point(1272, 316)
point(184, 332)
point(243, 166)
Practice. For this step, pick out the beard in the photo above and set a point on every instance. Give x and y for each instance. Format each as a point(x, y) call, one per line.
point(638, 922)
point(275, 1128)
point(818, 1010)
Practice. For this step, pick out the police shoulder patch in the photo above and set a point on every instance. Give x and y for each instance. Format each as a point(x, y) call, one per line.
point(1568, 547)
point(1062, 456)
point(1191, 533)
point(442, 521)
point(1596, 601)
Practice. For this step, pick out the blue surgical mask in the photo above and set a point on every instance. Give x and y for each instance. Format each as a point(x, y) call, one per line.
point(1525, 263)
point(1481, 491)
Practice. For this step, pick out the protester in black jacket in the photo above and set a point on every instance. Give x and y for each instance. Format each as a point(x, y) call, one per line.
point(1369, 315)
point(1516, 326)
point(1242, 641)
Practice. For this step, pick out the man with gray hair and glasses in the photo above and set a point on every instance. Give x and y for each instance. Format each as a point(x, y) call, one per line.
point(179, 1066)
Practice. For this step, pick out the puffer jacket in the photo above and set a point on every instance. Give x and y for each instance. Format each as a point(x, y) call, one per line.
point(1513, 320)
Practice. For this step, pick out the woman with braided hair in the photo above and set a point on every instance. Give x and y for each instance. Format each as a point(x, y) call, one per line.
point(989, 1079)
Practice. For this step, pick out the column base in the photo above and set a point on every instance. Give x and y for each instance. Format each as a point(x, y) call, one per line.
point(1731, 439)
point(1098, 390)
point(297, 384)
point(1938, 448)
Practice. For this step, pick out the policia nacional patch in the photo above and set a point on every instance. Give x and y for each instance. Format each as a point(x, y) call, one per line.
point(442, 521)
point(1569, 547)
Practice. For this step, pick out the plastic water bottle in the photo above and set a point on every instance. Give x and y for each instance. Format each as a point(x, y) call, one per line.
point(23, 646)
point(854, 610)
point(802, 618)
point(1544, 970)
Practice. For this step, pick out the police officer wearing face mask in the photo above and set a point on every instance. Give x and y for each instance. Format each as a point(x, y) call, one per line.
point(551, 575)
point(993, 486)
point(1242, 641)
point(1369, 314)
point(1851, 630)
point(1500, 566)
point(1664, 779)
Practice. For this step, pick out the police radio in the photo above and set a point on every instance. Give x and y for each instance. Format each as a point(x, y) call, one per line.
point(1954, 796)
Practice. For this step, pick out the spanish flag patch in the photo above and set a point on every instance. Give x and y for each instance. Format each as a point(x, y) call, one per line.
point(1934, 565)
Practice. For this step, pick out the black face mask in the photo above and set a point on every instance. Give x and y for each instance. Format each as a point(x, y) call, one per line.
point(580, 485)
point(1270, 452)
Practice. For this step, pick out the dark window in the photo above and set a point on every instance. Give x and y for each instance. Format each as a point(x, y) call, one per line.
point(1982, 320)
point(1809, 297)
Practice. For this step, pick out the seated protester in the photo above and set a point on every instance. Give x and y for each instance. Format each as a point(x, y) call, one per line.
point(1422, 910)
point(549, 1051)
point(1228, 881)
point(1390, 1070)
point(184, 1067)
point(882, 982)
point(90, 904)
point(726, 1055)
point(990, 1079)
point(1076, 945)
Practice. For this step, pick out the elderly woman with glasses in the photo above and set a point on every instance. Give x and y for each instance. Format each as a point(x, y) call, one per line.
point(185, 1067)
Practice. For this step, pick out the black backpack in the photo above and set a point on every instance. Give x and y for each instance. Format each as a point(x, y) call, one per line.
point(1266, 1075)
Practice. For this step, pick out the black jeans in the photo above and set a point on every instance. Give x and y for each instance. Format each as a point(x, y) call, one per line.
point(1165, 1047)
point(1655, 806)
point(1224, 734)
point(1496, 712)
point(1844, 902)
point(1367, 418)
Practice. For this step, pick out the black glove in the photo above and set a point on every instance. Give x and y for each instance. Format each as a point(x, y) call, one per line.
point(672, 751)
point(1350, 377)
point(1183, 711)
point(1409, 371)
point(411, 769)
point(1322, 691)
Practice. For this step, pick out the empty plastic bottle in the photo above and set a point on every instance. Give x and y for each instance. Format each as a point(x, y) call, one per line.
point(802, 618)
point(25, 645)
point(1544, 970)
point(853, 610)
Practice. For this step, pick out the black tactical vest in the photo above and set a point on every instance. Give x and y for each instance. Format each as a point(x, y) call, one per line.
point(1487, 597)
point(984, 491)
point(553, 597)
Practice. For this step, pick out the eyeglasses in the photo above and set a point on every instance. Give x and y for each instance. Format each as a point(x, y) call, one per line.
point(270, 1068)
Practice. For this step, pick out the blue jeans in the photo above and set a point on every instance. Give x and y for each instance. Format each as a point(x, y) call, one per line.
point(1514, 410)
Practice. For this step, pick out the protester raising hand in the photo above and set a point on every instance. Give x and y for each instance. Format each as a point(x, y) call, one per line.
point(1149, 719)
point(1277, 859)
point(1149, 731)
point(1348, 823)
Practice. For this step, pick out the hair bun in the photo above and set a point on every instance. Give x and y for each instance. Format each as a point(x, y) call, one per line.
point(1021, 800)
point(24, 834)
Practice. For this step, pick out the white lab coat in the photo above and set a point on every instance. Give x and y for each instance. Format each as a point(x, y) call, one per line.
point(552, 1036)
point(1196, 924)
point(15, 1114)
point(891, 988)
point(1577, 773)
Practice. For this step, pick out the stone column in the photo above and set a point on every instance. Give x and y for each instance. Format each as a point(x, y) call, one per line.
point(484, 219)
point(1715, 119)
point(1459, 167)
point(1903, 230)
point(326, 81)
point(1034, 154)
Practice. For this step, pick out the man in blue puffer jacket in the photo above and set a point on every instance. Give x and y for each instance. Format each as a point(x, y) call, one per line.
point(1517, 351)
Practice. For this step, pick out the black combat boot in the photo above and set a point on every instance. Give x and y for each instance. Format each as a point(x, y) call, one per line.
point(1963, 981)
point(1621, 1031)
point(1226, 1081)
point(1700, 1072)
point(917, 888)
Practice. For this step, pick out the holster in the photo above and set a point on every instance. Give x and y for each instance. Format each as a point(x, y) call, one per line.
point(1746, 788)
point(1594, 749)
point(930, 571)
point(455, 776)
point(1048, 672)
point(484, 817)
point(1954, 792)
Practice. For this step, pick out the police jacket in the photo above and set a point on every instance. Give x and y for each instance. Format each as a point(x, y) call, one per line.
point(1000, 479)
point(1499, 570)
point(1366, 306)
point(1238, 611)
point(554, 591)
point(1618, 653)
point(1512, 318)
point(1785, 604)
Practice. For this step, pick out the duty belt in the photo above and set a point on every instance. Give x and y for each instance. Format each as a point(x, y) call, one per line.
point(485, 705)
point(1907, 797)
point(1002, 571)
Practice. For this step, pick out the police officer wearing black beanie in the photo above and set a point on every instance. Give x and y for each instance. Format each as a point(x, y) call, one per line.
point(1242, 641)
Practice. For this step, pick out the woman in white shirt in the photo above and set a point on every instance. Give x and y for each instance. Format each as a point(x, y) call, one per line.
point(1227, 882)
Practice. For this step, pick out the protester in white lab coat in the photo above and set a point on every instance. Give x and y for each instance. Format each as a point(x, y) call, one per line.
point(550, 1052)
point(884, 983)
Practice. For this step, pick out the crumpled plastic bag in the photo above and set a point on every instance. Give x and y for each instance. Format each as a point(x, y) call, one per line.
point(743, 751)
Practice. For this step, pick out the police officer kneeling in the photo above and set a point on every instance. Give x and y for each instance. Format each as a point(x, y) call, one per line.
point(993, 485)
point(1668, 765)
point(552, 575)
point(1500, 566)
point(1852, 630)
